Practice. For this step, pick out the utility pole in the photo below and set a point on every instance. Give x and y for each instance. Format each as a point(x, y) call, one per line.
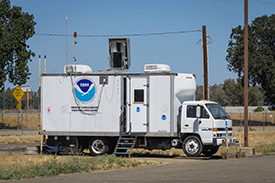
point(246, 73)
point(4, 96)
point(205, 64)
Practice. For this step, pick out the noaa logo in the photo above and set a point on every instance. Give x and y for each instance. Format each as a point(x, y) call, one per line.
point(163, 117)
point(138, 109)
point(85, 90)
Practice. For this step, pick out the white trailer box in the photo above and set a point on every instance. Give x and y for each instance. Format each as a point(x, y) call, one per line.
point(98, 104)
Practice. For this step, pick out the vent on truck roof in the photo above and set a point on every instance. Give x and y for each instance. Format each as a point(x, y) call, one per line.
point(81, 69)
point(157, 68)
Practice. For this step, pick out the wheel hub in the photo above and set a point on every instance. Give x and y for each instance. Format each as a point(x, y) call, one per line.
point(192, 146)
point(98, 146)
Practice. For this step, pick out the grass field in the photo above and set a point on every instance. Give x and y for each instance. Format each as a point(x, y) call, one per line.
point(22, 139)
point(13, 121)
point(266, 116)
point(28, 166)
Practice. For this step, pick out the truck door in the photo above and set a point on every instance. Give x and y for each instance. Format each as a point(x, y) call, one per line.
point(192, 124)
point(137, 104)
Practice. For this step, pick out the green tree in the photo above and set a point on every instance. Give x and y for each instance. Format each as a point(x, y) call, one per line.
point(199, 93)
point(261, 54)
point(218, 95)
point(10, 100)
point(256, 98)
point(16, 27)
point(234, 91)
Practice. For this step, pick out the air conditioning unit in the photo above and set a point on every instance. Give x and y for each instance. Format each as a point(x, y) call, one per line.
point(157, 68)
point(81, 69)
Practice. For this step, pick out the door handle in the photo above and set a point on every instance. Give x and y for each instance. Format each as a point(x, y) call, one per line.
point(199, 122)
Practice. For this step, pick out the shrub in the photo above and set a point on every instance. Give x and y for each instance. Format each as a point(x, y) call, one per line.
point(259, 109)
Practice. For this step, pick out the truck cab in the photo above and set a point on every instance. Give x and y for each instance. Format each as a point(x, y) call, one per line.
point(204, 125)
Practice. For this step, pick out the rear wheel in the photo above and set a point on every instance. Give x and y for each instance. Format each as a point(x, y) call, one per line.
point(98, 146)
point(192, 146)
point(210, 150)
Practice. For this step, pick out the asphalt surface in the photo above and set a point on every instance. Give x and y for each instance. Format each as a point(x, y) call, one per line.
point(251, 169)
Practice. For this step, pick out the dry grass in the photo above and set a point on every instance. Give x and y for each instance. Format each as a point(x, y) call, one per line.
point(26, 166)
point(263, 141)
point(11, 121)
point(8, 160)
point(23, 139)
point(266, 116)
point(257, 137)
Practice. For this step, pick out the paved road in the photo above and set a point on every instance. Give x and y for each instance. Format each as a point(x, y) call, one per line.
point(253, 169)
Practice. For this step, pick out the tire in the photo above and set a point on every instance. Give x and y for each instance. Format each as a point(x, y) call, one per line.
point(192, 146)
point(210, 150)
point(98, 146)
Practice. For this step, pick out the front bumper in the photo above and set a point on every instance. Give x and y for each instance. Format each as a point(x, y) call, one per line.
point(218, 142)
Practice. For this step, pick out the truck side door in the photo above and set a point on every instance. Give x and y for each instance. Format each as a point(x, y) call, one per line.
point(137, 104)
point(192, 124)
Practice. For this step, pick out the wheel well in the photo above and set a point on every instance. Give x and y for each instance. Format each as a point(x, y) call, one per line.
point(84, 140)
point(189, 134)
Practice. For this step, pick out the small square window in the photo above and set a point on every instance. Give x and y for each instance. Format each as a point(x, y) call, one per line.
point(139, 95)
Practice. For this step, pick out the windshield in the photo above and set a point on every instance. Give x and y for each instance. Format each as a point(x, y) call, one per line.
point(217, 111)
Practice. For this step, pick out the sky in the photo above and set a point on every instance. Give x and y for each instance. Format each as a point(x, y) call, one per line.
point(183, 52)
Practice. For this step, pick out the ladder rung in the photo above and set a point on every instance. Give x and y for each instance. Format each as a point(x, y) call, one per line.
point(121, 153)
point(123, 148)
point(127, 138)
point(123, 143)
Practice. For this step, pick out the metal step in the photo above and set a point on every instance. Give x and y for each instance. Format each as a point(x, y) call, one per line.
point(122, 153)
point(127, 138)
point(122, 148)
point(125, 145)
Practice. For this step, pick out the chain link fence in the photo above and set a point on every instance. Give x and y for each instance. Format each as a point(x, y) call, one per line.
point(19, 120)
point(256, 120)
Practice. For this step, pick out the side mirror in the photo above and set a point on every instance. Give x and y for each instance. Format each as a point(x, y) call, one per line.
point(198, 112)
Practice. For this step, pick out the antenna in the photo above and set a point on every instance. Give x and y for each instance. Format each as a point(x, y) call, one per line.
point(66, 41)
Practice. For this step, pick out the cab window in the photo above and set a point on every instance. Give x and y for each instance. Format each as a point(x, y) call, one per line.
point(191, 112)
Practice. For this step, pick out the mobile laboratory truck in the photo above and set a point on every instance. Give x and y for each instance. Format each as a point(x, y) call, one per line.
point(115, 111)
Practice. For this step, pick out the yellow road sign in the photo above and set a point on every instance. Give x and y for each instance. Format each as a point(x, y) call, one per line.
point(18, 93)
point(18, 106)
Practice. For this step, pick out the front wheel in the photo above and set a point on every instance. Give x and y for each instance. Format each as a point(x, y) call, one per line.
point(98, 146)
point(192, 146)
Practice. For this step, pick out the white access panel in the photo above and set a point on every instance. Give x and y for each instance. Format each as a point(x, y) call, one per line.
point(137, 104)
point(160, 103)
point(60, 104)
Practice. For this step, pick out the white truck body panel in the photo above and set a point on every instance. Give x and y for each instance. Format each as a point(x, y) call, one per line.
point(64, 114)
point(60, 112)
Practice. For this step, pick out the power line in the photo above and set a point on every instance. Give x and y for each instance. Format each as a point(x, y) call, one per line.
point(262, 2)
point(121, 35)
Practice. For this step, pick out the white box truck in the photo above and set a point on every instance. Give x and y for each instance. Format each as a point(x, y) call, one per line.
point(115, 111)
